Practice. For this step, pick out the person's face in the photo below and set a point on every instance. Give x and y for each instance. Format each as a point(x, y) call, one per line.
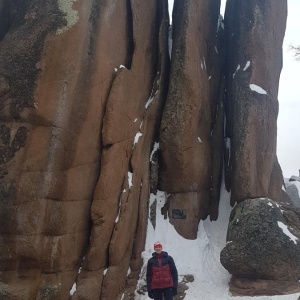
point(158, 249)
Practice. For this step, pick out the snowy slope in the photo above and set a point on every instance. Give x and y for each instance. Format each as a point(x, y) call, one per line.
point(198, 257)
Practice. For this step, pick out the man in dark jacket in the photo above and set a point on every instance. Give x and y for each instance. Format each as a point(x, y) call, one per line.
point(162, 277)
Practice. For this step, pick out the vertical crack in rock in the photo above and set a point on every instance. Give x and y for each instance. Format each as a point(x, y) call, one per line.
point(130, 36)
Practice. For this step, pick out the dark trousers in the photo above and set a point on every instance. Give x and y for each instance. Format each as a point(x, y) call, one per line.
point(159, 293)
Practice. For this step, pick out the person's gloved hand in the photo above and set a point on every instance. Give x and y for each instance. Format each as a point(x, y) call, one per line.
point(150, 295)
point(174, 290)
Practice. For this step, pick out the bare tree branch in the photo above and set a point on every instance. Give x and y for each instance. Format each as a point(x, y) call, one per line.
point(296, 50)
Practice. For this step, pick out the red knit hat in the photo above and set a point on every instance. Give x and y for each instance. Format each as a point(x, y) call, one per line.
point(157, 244)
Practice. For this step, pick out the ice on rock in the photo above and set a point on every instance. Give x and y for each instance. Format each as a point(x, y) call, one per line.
point(257, 89)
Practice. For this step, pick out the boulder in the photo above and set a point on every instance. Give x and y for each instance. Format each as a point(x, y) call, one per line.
point(293, 191)
point(263, 241)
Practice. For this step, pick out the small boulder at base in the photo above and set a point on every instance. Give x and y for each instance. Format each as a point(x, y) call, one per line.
point(262, 241)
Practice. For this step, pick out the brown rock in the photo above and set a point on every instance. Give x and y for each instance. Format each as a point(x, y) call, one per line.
point(51, 123)
point(185, 133)
point(185, 213)
point(119, 208)
point(255, 57)
point(83, 87)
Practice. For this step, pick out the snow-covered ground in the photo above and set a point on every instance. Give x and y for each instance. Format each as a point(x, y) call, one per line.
point(199, 257)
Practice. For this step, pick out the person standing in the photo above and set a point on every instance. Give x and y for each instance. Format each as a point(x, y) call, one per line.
point(162, 276)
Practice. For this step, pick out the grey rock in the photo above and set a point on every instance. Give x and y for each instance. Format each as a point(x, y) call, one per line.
point(293, 193)
point(257, 246)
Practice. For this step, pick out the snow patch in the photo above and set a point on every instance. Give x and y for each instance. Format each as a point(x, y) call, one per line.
point(247, 65)
point(286, 231)
point(199, 140)
point(150, 100)
point(155, 148)
point(73, 289)
point(237, 68)
point(118, 216)
point(257, 89)
point(136, 138)
point(129, 179)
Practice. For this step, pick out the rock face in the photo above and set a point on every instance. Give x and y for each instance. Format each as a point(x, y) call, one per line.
point(292, 189)
point(263, 241)
point(186, 165)
point(93, 116)
point(254, 63)
point(79, 112)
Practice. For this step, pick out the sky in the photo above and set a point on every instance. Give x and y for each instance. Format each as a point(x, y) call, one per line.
point(288, 138)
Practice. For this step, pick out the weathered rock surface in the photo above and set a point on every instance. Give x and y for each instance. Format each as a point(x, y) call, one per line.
point(186, 166)
point(263, 242)
point(86, 94)
point(254, 63)
point(292, 189)
point(73, 98)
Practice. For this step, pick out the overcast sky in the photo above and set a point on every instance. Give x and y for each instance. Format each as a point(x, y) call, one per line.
point(288, 140)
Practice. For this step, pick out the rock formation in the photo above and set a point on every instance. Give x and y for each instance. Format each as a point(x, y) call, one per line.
point(254, 63)
point(263, 242)
point(192, 106)
point(292, 187)
point(94, 116)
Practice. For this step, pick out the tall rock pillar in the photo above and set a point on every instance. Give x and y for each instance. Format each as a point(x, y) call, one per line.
point(255, 31)
point(189, 115)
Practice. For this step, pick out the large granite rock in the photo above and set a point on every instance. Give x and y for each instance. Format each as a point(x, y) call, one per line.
point(263, 242)
point(190, 114)
point(292, 187)
point(77, 101)
point(254, 62)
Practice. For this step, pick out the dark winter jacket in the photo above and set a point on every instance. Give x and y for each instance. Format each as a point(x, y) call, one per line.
point(161, 273)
